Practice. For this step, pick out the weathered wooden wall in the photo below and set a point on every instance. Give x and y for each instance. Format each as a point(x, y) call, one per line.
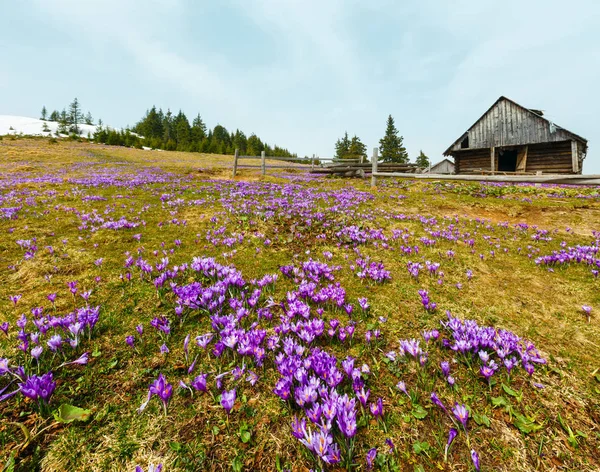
point(550, 158)
point(472, 160)
point(507, 124)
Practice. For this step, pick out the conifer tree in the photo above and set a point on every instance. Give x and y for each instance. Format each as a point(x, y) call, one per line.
point(88, 119)
point(54, 116)
point(198, 132)
point(391, 148)
point(44, 113)
point(342, 147)
point(75, 116)
point(357, 149)
point(182, 129)
point(422, 160)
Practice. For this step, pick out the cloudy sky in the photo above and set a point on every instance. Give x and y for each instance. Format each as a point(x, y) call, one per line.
point(301, 72)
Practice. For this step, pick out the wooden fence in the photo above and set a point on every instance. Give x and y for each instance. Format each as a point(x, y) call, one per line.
point(314, 162)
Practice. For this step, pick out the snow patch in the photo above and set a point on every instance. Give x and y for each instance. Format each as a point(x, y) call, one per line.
point(34, 127)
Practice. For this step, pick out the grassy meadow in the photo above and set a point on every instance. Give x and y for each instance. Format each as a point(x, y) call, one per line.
point(306, 298)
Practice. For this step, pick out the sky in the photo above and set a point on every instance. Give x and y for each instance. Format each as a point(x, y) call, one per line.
point(299, 73)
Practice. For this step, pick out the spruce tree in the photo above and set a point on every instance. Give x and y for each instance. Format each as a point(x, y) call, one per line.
point(182, 129)
point(54, 116)
point(44, 113)
point(342, 147)
point(357, 149)
point(422, 160)
point(391, 148)
point(75, 116)
point(88, 119)
point(198, 130)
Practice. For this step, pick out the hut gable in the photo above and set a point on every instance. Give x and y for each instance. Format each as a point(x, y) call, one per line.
point(507, 123)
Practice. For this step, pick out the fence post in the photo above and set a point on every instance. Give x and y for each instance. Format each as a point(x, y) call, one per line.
point(235, 161)
point(374, 167)
point(263, 167)
point(312, 163)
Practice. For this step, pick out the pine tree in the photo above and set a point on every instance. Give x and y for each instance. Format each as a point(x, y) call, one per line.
point(44, 113)
point(198, 130)
point(254, 145)
point(357, 149)
point(391, 148)
point(422, 160)
point(88, 119)
point(75, 116)
point(342, 147)
point(182, 129)
point(54, 116)
point(240, 142)
point(63, 123)
point(167, 126)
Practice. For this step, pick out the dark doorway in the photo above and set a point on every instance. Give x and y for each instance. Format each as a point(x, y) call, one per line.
point(507, 160)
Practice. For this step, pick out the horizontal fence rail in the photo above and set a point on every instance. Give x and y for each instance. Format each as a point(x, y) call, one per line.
point(317, 164)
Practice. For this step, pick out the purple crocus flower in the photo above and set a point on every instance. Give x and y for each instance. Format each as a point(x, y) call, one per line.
point(461, 413)
point(81, 360)
point(151, 468)
point(298, 427)
point(54, 342)
point(164, 349)
point(130, 340)
point(475, 459)
point(199, 383)
point(371, 455)
point(186, 343)
point(487, 372)
point(4, 327)
point(51, 297)
point(363, 396)
point(36, 352)
point(445, 366)
point(401, 385)
point(203, 340)
point(587, 310)
point(162, 390)
point(436, 401)
point(228, 399)
point(377, 408)
point(36, 387)
point(140, 329)
point(451, 435)
point(15, 299)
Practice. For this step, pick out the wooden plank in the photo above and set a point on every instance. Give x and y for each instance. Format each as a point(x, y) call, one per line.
point(574, 157)
point(492, 158)
point(374, 160)
point(522, 159)
point(263, 170)
point(235, 161)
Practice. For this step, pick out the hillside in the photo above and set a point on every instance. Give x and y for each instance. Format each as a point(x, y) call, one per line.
point(152, 310)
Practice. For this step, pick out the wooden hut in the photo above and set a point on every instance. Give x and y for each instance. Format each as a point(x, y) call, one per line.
point(443, 167)
point(511, 138)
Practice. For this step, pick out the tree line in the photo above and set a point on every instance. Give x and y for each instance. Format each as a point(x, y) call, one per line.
point(175, 133)
point(391, 147)
point(159, 130)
